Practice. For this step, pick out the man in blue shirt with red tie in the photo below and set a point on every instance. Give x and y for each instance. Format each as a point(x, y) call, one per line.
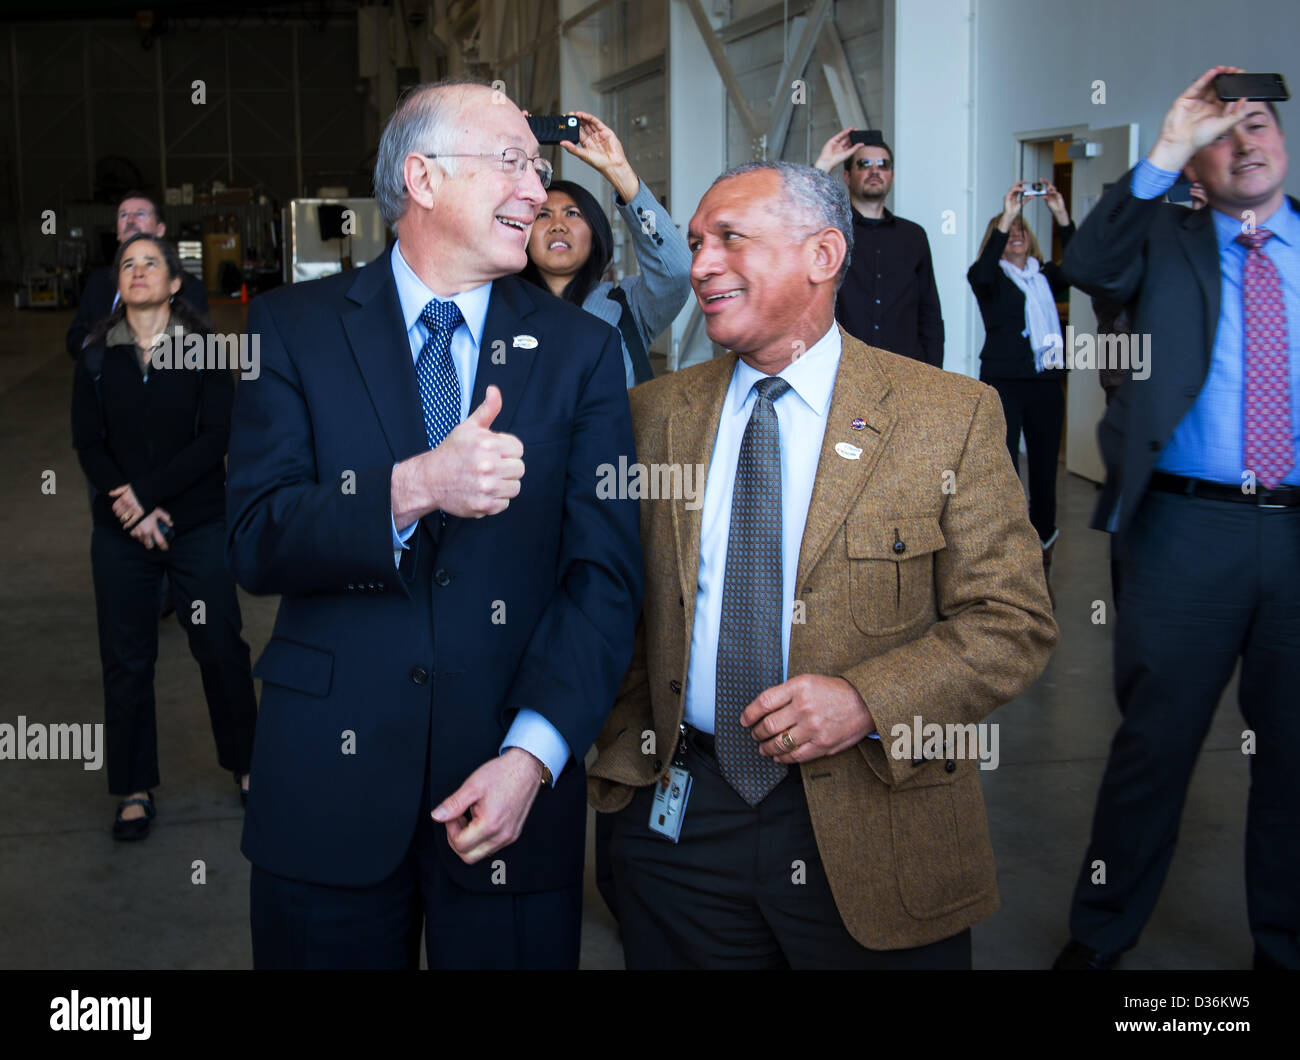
point(1202, 496)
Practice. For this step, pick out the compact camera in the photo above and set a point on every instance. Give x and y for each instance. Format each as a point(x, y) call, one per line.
point(1038, 187)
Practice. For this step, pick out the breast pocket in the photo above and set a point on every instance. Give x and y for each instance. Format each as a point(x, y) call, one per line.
point(891, 571)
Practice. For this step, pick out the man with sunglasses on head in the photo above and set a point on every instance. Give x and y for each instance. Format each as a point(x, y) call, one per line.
point(888, 299)
point(415, 472)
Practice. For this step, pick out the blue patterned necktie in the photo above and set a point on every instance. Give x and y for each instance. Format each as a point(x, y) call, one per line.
point(753, 603)
point(439, 384)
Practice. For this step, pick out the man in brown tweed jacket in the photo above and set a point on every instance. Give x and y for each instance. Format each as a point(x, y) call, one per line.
point(903, 592)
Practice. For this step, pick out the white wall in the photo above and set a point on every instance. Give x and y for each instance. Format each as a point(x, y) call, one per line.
point(931, 130)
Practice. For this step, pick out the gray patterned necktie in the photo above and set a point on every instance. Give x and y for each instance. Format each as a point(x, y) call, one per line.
point(439, 384)
point(749, 635)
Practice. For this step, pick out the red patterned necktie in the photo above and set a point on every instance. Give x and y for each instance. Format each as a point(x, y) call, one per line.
point(1270, 447)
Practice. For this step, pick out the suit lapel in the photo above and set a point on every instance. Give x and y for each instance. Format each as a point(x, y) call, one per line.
point(1201, 245)
point(692, 431)
point(501, 364)
point(383, 355)
point(861, 386)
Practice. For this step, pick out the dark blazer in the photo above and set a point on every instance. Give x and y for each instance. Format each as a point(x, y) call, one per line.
point(167, 437)
point(535, 607)
point(1007, 353)
point(1165, 260)
point(97, 302)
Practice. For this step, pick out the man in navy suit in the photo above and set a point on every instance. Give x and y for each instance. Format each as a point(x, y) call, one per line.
point(457, 609)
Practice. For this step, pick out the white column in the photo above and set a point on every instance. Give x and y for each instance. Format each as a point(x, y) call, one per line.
point(934, 142)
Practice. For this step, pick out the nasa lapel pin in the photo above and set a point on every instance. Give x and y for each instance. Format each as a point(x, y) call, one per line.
point(524, 342)
point(858, 424)
point(849, 452)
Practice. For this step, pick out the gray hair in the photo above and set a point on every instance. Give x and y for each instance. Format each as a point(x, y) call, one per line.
point(422, 124)
point(819, 200)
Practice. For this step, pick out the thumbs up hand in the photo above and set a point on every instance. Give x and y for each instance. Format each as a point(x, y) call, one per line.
point(474, 472)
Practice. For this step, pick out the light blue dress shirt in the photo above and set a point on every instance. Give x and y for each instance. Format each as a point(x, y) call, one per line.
point(1209, 442)
point(801, 418)
point(530, 730)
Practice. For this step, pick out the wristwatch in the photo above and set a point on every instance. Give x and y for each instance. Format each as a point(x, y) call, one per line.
point(547, 780)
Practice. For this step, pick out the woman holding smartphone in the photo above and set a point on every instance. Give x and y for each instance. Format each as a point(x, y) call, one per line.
point(151, 436)
point(1022, 358)
point(572, 244)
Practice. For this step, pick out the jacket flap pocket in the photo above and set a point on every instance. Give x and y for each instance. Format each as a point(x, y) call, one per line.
point(296, 666)
point(882, 538)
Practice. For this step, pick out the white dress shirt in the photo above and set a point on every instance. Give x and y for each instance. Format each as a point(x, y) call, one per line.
point(530, 730)
point(801, 417)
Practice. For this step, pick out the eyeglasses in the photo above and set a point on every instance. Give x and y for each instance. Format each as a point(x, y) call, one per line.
point(514, 163)
point(139, 215)
point(868, 163)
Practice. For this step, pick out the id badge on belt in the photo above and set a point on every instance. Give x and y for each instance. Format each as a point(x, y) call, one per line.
point(668, 808)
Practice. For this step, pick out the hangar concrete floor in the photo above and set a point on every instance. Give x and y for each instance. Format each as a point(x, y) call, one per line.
point(73, 898)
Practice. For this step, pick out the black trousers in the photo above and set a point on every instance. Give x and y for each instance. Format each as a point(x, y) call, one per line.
point(312, 926)
point(1036, 406)
point(743, 888)
point(1202, 583)
point(126, 601)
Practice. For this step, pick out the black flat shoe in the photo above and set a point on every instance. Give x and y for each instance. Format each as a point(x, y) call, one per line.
point(138, 827)
point(1077, 957)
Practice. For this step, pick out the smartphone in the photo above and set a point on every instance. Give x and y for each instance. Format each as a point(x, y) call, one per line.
point(552, 128)
point(1267, 87)
point(867, 137)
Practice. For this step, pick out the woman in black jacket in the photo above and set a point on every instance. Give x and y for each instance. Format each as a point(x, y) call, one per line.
point(1022, 356)
point(151, 435)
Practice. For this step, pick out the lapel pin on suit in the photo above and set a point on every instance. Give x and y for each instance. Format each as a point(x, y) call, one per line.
point(524, 342)
point(858, 424)
point(849, 452)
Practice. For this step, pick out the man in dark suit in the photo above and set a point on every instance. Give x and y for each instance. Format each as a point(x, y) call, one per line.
point(136, 212)
point(1202, 498)
point(453, 628)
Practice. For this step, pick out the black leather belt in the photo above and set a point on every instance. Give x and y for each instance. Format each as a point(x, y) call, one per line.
point(1284, 497)
point(700, 741)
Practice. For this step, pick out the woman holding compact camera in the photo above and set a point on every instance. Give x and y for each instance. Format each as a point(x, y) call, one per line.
point(572, 244)
point(1023, 349)
point(151, 435)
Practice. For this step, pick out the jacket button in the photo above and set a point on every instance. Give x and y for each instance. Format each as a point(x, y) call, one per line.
point(675, 686)
point(950, 766)
point(379, 585)
point(420, 676)
point(371, 585)
point(900, 547)
point(442, 577)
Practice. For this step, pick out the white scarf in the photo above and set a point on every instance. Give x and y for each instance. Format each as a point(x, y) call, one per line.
point(1042, 324)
